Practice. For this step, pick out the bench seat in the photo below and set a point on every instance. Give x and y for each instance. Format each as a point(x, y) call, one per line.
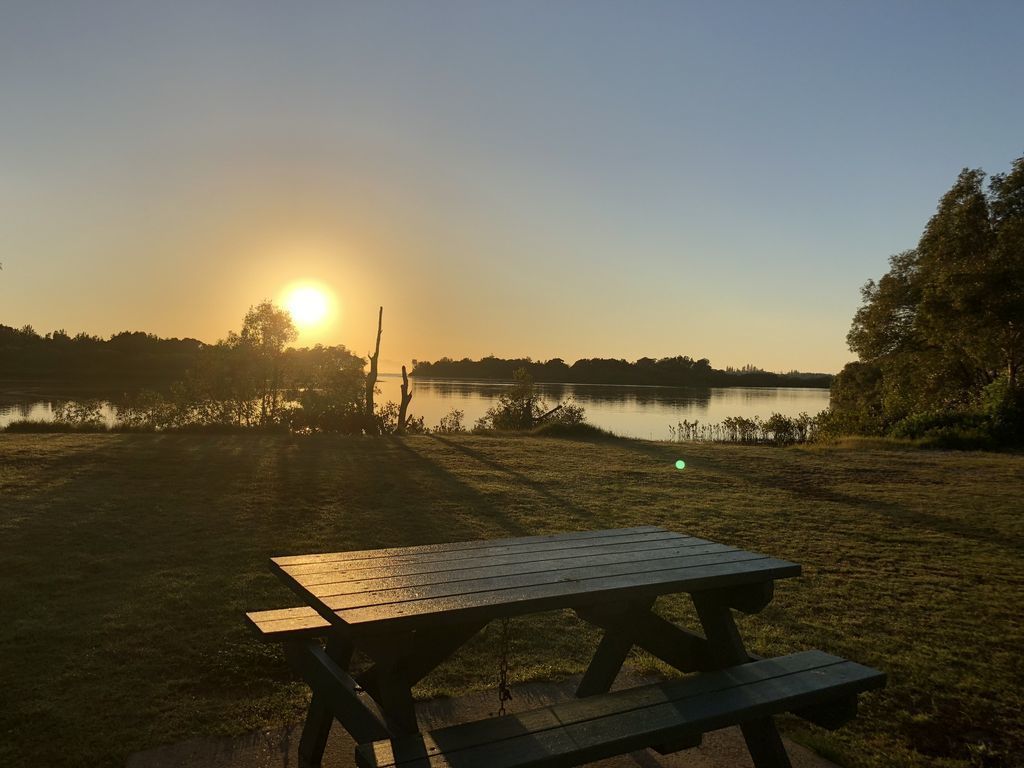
point(288, 623)
point(675, 712)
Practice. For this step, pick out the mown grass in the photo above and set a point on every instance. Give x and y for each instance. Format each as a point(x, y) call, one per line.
point(126, 561)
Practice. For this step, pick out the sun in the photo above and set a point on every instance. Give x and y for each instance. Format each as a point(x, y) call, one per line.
point(309, 304)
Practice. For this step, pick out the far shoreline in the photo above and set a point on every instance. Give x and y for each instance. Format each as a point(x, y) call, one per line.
point(739, 385)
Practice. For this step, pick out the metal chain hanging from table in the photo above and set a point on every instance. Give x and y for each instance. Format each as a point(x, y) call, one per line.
point(504, 691)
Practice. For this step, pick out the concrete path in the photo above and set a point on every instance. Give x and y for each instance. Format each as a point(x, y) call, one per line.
point(277, 748)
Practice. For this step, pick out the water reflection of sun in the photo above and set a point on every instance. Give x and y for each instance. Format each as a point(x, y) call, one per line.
point(310, 304)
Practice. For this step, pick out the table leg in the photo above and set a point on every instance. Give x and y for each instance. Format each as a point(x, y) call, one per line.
point(727, 649)
point(334, 696)
point(427, 650)
point(403, 659)
point(319, 719)
point(636, 624)
point(320, 716)
point(618, 622)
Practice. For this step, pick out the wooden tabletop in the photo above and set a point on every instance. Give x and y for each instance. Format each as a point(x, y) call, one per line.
point(412, 587)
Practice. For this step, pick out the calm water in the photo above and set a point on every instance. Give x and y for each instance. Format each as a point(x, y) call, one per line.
point(644, 412)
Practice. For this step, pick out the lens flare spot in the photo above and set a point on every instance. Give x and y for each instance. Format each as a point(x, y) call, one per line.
point(680, 464)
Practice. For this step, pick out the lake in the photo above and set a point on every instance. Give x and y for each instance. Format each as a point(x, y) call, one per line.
point(644, 412)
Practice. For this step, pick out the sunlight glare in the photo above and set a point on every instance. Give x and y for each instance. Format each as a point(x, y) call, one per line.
point(309, 304)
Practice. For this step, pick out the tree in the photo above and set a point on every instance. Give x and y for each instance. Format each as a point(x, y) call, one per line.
point(259, 347)
point(518, 408)
point(522, 407)
point(328, 386)
point(944, 324)
point(1006, 305)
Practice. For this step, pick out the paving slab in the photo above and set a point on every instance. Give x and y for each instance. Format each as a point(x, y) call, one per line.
point(278, 748)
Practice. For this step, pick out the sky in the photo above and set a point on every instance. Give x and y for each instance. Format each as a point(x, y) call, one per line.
point(569, 179)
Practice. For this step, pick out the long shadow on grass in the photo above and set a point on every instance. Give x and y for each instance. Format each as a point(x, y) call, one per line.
point(537, 487)
point(367, 492)
point(808, 487)
point(459, 489)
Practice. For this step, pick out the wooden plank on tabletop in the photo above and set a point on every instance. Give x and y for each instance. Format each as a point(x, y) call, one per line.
point(464, 576)
point(390, 570)
point(484, 554)
point(634, 563)
point(568, 536)
point(566, 594)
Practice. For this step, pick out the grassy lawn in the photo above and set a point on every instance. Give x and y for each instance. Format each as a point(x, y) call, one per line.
point(126, 562)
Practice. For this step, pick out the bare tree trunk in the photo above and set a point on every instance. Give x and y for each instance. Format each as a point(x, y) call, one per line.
point(371, 379)
point(404, 407)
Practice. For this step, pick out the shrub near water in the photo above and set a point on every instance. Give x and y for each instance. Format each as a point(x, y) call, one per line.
point(522, 408)
point(777, 429)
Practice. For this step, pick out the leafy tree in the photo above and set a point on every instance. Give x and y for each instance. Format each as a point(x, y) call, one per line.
point(328, 387)
point(259, 349)
point(941, 329)
point(1006, 273)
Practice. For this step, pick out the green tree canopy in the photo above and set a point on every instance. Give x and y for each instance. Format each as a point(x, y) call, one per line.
point(942, 329)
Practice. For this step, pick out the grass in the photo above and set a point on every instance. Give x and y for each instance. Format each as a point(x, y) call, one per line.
point(126, 561)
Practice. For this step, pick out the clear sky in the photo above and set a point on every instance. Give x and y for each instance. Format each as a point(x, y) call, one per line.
point(549, 179)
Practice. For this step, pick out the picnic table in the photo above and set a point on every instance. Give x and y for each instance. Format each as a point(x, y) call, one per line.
point(410, 608)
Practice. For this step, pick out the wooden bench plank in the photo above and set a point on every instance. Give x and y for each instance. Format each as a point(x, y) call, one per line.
point(438, 568)
point(571, 536)
point(482, 554)
point(288, 623)
point(589, 729)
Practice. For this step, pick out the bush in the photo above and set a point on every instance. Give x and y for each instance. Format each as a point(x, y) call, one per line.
point(995, 423)
point(387, 421)
point(80, 413)
point(521, 408)
point(451, 423)
point(782, 429)
point(569, 414)
point(776, 430)
point(1004, 406)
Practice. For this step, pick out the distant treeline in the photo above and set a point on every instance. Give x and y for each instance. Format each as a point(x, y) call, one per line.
point(679, 371)
point(127, 358)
